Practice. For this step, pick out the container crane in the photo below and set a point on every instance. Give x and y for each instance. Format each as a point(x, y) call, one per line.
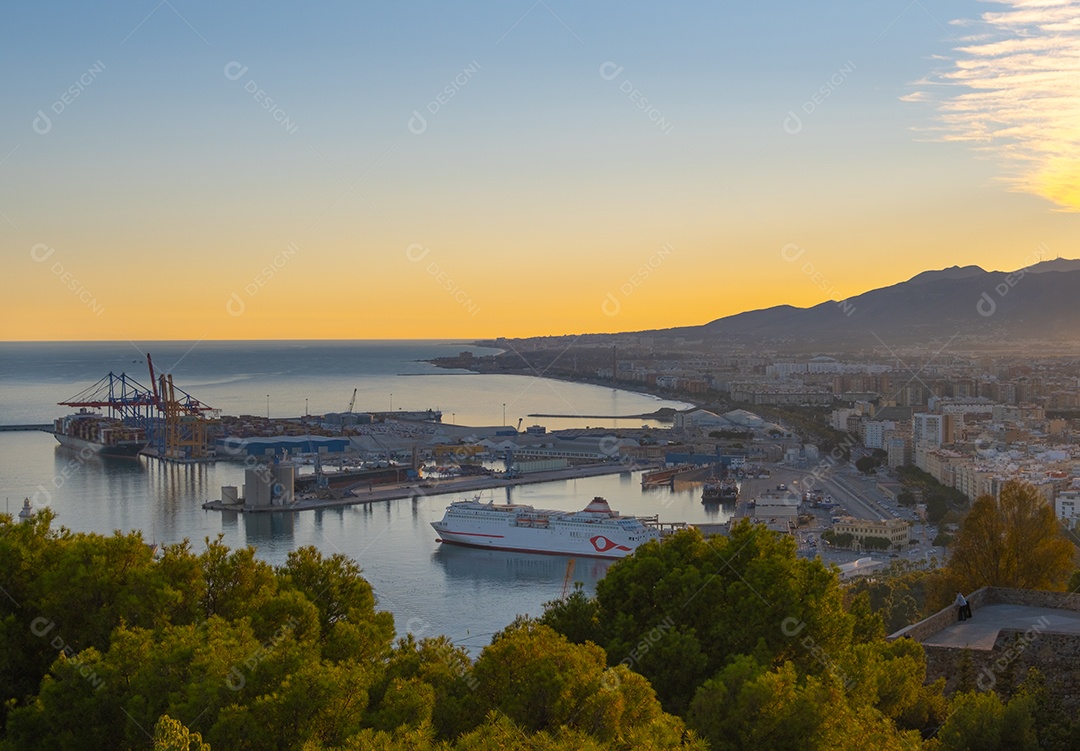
point(186, 419)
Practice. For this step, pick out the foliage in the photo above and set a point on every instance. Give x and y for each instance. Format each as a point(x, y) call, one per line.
point(680, 610)
point(873, 542)
point(842, 540)
point(754, 646)
point(943, 540)
point(576, 617)
point(906, 498)
point(897, 594)
point(867, 464)
point(916, 477)
point(983, 722)
point(109, 646)
point(1012, 541)
point(171, 735)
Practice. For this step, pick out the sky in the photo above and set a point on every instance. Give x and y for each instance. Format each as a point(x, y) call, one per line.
point(358, 170)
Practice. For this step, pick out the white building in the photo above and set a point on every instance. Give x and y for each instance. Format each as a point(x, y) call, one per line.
point(1067, 507)
point(927, 430)
point(839, 418)
point(876, 432)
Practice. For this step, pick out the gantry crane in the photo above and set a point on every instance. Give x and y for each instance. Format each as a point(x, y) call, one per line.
point(186, 419)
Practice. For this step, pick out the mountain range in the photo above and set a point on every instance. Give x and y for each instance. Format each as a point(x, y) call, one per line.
point(1040, 302)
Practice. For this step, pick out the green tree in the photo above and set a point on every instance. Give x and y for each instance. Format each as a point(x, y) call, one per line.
point(679, 611)
point(982, 722)
point(542, 682)
point(433, 662)
point(576, 617)
point(171, 735)
point(1012, 541)
point(234, 580)
point(898, 594)
point(747, 706)
point(936, 507)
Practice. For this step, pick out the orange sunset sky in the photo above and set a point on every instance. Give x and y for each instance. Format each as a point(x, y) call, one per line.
point(384, 173)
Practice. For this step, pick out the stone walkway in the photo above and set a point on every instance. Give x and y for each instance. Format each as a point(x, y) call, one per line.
point(981, 631)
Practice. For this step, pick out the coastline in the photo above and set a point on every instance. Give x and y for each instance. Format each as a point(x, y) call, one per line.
point(633, 388)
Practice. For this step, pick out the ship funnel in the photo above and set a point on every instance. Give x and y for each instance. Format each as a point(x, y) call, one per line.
point(599, 505)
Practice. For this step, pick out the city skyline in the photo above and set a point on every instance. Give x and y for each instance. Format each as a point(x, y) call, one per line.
point(183, 171)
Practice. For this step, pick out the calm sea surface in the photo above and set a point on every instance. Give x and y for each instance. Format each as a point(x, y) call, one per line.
point(431, 589)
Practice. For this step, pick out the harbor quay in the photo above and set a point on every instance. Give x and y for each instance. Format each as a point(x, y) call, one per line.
point(427, 487)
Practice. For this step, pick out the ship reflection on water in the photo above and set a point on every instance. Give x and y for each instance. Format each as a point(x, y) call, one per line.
point(525, 570)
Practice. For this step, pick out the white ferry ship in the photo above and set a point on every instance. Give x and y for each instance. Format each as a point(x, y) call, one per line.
point(597, 531)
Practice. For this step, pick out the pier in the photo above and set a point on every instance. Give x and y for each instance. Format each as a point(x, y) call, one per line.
point(44, 427)
point(455, 485)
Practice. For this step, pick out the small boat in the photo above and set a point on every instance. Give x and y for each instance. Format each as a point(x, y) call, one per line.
point(712, 492)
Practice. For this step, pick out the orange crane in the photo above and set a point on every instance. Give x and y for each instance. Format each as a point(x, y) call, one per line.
point(568, 579)
point(186, 419)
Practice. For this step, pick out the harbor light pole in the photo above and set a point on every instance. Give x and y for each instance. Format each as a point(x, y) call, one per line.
point(267, 406)
point(453, 418)
point(504, 414)
point(306, 413)
point(391, 401)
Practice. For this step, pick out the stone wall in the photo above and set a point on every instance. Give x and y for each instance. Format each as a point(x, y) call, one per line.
point(1055, 656)
point(946, 616)
point(1036, 598)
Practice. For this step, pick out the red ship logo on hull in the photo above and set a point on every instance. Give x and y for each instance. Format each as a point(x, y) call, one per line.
point(603, 544)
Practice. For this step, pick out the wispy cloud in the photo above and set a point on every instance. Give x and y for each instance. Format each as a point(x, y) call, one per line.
point(1013, 89)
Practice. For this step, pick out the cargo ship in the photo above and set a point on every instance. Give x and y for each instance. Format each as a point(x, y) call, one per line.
point(596, 531)
point(91, 432)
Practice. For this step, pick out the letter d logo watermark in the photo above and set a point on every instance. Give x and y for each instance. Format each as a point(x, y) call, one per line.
point(234, 70)
point(611, 305)
point(42, 124)
point(792, 252)
point(417, 124)
point(792, 123)
point(235, 305)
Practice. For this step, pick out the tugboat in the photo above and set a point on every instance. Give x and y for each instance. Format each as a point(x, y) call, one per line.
point(729, 490)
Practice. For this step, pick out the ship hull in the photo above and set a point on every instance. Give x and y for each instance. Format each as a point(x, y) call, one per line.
point(523, 547)
point(124, 450)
